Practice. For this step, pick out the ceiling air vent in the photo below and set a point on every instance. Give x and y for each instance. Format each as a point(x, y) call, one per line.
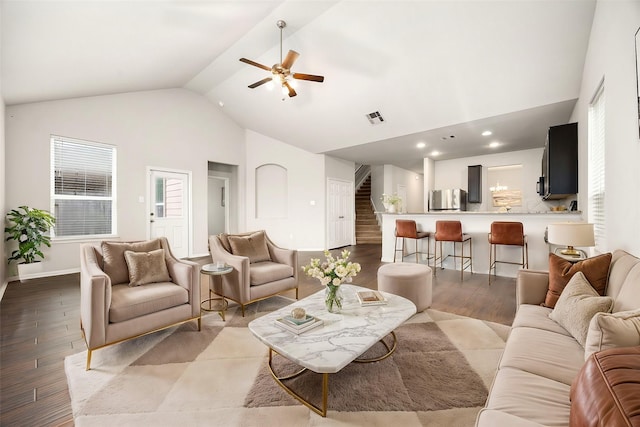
point(375, 118)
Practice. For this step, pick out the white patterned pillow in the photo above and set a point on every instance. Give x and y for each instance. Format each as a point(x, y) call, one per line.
point(609, 330)
point(577, 304)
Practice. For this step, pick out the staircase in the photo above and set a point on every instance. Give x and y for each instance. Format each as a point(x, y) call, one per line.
point(367, 229)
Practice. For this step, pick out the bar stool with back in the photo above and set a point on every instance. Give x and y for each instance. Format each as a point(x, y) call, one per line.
point(511, 234)
point(407, 229)
point(451, 231)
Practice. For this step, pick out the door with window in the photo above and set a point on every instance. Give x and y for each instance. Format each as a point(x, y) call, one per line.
point(169, 214)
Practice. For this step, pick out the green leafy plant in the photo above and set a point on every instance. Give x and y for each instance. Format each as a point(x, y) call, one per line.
point(28, 226)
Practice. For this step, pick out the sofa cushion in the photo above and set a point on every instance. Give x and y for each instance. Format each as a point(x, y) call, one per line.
point(492, 417)
point(530, 396)
point(131, 302)
point(607, 390)
point(609, 330)
point(555, 356)
point(115, 266)
point(254, 246)
point(621, 264)
point(267, 271)
point(629, 296)
point(595, 269)
point(146, 267)
point(536, 316)
point(576, 306)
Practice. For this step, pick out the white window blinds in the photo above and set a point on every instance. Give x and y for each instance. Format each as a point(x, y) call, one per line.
point(82, 187)
point(596, 209)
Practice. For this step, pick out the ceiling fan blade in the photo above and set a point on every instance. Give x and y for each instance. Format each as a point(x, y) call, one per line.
point(309, 77)
point(292, 55)
point(261, 82)
point(292, 92)
point(255, 64)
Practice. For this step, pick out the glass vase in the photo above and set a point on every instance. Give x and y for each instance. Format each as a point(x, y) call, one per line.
point(333, 298)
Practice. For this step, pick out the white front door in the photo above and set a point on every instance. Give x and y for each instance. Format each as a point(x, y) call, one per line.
point(339, 213)
point(169, 213)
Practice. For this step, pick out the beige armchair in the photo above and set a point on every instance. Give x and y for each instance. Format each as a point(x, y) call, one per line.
point(260, 268)
point(130, 289)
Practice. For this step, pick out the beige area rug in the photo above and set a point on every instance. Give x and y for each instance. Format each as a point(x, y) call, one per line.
point(438, 376)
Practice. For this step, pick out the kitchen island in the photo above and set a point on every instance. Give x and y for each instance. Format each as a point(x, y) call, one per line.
point(478, 225)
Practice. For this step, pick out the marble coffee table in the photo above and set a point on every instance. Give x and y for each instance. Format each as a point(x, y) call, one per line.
point(342, 339)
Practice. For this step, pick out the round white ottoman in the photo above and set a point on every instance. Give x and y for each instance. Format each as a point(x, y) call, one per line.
point(411, 281)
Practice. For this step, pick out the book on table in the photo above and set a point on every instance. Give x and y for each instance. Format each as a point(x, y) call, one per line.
point(290, 326)
point(371, 298)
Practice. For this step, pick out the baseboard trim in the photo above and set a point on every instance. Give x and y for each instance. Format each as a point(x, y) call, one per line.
point(46, 274)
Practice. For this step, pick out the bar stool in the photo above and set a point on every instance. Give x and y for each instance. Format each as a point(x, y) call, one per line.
point(451, 231)
point(407, 229)
point(507, 233)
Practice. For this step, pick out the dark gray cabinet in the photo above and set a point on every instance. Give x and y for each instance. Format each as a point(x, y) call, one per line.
point(559, 178)
point(474, 184)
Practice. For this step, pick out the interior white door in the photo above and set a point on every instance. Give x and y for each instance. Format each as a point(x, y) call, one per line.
point(339, 213)
point(402, 193)
point(169, 214)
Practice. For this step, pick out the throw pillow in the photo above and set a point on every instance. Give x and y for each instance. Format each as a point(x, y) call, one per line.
point(146, 267)
point(115, 265)
point(608, 330)
point(253, 246)
point(577, 304)
point(595, 269)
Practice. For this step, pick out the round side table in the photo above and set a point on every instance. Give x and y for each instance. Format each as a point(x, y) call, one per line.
point(218, 304)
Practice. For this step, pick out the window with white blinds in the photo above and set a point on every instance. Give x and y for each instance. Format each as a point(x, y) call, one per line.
point(83, 177)
point(596, 141)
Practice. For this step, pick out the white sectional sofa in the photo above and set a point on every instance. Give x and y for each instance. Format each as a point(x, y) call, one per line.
point(541, 359)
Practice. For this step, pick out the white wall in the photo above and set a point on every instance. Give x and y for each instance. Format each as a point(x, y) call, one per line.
point(3, 205)
point(394, 176)
point(611, 55)
point(304, 226)
point(173, 128)
point(377, 186)
point(453, 174)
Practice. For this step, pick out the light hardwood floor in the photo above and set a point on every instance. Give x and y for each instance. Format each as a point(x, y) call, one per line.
point(40, 326)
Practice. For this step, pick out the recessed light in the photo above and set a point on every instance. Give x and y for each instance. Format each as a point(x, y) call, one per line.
point(487, 133)
point(220, 103)
point(494, 144)
point(421, 145)
point(435, 153)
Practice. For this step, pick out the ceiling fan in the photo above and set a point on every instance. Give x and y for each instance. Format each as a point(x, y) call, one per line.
point(280, 72)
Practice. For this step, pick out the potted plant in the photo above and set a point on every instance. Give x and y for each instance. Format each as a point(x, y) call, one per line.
point(391, 202)
point(27, 226)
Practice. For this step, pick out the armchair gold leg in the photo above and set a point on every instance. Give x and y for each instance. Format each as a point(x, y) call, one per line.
point(88, 359)
point(199, 324)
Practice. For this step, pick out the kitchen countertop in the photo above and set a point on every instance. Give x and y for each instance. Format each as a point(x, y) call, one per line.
point(483, 213)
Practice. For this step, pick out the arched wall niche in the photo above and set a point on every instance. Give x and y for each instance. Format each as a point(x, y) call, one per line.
point(271, 191)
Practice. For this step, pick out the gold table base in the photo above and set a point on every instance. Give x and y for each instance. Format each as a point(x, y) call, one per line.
point(322, 410)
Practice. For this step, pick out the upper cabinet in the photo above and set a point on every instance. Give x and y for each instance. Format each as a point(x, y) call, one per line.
point(559, 178)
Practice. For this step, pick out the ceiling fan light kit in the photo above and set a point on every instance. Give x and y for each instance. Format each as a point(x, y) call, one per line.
point(281, 71)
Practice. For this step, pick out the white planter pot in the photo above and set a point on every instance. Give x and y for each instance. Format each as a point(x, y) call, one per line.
point(392, 208)
point(30, 271)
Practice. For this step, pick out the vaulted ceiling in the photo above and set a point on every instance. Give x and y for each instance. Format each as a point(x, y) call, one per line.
point(433, 69)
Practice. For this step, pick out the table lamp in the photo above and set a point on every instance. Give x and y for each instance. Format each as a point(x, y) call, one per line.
point(571, 234)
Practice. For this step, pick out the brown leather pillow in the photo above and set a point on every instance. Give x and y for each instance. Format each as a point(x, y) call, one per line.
point(253, 246)
point(595, 270)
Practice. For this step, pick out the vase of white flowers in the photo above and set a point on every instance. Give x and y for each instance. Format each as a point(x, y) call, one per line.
point(391, 202)
point(332, 273)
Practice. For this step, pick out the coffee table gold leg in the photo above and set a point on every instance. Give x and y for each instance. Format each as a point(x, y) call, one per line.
point(322, 411)
point(390, 350)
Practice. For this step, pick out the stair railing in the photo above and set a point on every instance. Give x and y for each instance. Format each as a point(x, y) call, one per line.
point(362, 173)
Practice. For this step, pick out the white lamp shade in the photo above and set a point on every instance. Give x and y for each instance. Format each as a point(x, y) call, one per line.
point(571, 234)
